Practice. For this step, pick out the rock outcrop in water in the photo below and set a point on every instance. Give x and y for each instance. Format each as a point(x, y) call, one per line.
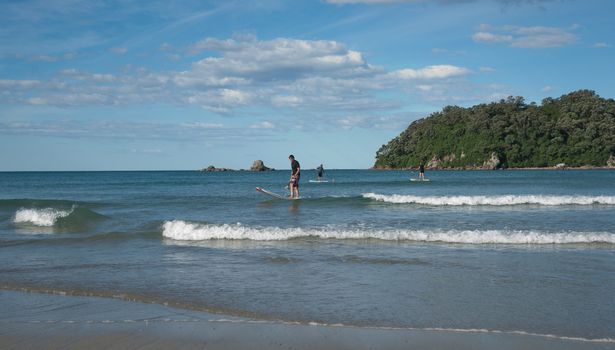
point(258, 165)
point(577, 129)
point(212, 168)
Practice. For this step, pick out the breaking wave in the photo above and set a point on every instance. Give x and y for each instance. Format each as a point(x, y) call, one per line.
point(187, 231)
point(45, 217)
point(74, 218)
point(550, 200)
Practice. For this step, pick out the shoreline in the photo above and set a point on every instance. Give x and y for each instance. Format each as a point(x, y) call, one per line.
point(499, 169)
point(36, 320)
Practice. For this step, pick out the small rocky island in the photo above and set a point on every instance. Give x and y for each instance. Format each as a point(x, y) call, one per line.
point(258, 165)
point(576, 130)
point(211, 169)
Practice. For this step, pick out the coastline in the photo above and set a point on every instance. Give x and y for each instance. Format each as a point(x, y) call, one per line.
point(34, 320)
point(498, 169)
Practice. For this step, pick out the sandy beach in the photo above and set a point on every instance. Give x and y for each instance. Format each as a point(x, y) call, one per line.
point(36, 321)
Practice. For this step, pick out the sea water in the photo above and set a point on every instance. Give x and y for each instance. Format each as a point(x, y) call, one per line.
point(505, 251)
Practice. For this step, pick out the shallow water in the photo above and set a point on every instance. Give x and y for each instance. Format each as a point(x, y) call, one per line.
point(530, 251)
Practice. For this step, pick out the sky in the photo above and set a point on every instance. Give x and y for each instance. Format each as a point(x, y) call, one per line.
point(181, 85)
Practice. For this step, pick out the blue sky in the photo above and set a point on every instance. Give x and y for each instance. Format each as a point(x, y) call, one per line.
point(147, 85)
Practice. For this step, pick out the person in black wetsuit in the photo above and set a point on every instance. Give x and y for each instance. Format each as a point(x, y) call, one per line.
point(320, 170)
point(294, 177)
point(421, 171)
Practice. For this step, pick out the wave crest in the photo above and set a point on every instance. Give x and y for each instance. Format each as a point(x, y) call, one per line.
point(550, 200)
point(187, 231)
point(45, 217)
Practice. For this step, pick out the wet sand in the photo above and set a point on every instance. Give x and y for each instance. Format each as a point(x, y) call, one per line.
point(37, 321)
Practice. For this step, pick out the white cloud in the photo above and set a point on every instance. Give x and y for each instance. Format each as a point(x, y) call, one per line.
point(133, 130)
point(70, 99)
point(53, 58)
point(283, 58)
point(601, 45)
point(492, 38)
point(286, 100)
point(221, 100)
point(21, 84)
point(349, 122)
point(263, 125)
point(393, 122)
point(201, 125)
point(94, 77)
point(546, 88)
point(431, 72)
point(439, 50)
point(526, 37)
point(246, 72)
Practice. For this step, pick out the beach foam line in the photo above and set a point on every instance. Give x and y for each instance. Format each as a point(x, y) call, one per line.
point(497, 200)
point(45, 217)
point(187, 231)
point(422, 329)
point(227, 316)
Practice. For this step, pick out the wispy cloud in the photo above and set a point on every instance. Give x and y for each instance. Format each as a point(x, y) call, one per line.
point(526, 37)
point(601, 45)
point(388, 122)
point(547, 88)
point(439, 50)
point(431, 72)
point(134, 130)
point(242, 72)
point(202, 125)
point(263, 125)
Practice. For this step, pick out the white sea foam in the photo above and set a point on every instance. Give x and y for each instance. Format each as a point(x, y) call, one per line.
point(425, 329)
point(551, 200)
point(186, 231)
point(40, 217)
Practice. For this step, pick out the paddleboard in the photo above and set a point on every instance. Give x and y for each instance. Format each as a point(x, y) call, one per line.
point(318, 181)
point(274, 195)
point(419, 180)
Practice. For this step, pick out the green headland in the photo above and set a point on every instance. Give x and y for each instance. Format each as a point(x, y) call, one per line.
point(574, 130)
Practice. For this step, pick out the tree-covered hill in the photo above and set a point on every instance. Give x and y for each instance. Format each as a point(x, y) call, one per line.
point(577, 129)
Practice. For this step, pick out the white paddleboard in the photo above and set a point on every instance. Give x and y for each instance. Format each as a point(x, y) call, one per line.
point(419, 180)
point(274, 195)
point(318, 181)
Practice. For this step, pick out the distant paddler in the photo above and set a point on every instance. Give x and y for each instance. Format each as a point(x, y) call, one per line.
point(422, 171)
point(320, 170)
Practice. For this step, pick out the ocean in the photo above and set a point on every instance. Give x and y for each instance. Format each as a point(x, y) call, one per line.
point(516, 251)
